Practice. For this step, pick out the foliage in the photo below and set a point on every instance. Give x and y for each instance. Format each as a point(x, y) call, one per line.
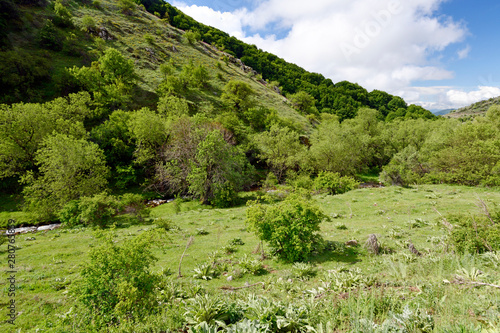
point(218, 171)
point(24, 127)
point(116, 282)
point(206, 308)
point(404, 169)
point(205, 271)
point(237, 94)
point(97, 210)
point(110, 79)
point(290, 226)
point(191, 37)
point(23, 73)
point(280, 148)
point(49, 37)
point(333, 183)
point(69, 169)
point(251, 266)
point(474, 234)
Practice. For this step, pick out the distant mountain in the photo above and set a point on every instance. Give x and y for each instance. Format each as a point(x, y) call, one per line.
point(475, 109)
point(440, 112)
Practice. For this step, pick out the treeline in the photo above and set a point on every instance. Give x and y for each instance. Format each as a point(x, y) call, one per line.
point(342, 99)
point(80, 146)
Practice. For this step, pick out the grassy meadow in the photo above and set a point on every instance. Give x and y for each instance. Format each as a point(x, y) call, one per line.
point(48, 263)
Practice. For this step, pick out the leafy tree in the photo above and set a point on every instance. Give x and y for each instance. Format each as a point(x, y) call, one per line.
point(280, 147)
point(333, 183)
point(303, 102)
point(23, 127)
point(192, 36)
point(218, 171)
point(110, 79)
point(237, 94)
point(149, 130)
point(336, 148)
point(115, 138)
point(291, 227)
point(173, 106)
point(69, 168)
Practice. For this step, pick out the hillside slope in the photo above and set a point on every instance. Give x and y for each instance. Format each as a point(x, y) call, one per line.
point(38, 49)
point(476, 109)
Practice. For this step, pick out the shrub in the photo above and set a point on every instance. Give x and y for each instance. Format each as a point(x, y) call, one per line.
point(49, 37)
point(88, 23)
point(333, 183)
point(251, 266)
point(474, 234)
point(191, 37)
point(134, 204)
point(165, 224)
point(127, 6)
point(63, 16)
point(97, 210)
point(116, 283)
point(291, 227)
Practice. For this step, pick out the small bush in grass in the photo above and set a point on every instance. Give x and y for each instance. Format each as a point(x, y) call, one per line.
point(340, 226)
point(205, 271)
point(474, 234)
point(97, 210)
point(251, 266)
point(209, 309)
point(201, 231)
point(333, 183)
point(229, 249)
point(134, 204)
point(116, 283)
point(236, 241)
point(88, 23)
point(303, 271)
point(291, 227)
point(165, 224)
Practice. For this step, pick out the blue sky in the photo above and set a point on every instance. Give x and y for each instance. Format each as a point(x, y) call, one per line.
point(436, 53)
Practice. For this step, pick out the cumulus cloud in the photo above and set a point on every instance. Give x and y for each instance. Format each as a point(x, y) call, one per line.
point(380, 44)
point(461, 98)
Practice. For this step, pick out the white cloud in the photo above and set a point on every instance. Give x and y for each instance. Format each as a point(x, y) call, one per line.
point(225, 21)
point(464, 53)
point(380, 44)
point(463, 98)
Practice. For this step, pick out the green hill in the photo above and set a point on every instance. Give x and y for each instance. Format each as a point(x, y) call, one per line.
point(38, 48)
point(41, 38)
point(476, 109)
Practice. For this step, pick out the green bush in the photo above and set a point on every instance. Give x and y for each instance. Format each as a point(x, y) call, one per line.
point(49, 37)
point(474, 234)
point(291, 227)
point(132, 203)
point(116, 284)
point(333, 183)
point(97, 210)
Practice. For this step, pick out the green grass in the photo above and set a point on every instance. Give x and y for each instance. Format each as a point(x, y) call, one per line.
point(48, 263)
